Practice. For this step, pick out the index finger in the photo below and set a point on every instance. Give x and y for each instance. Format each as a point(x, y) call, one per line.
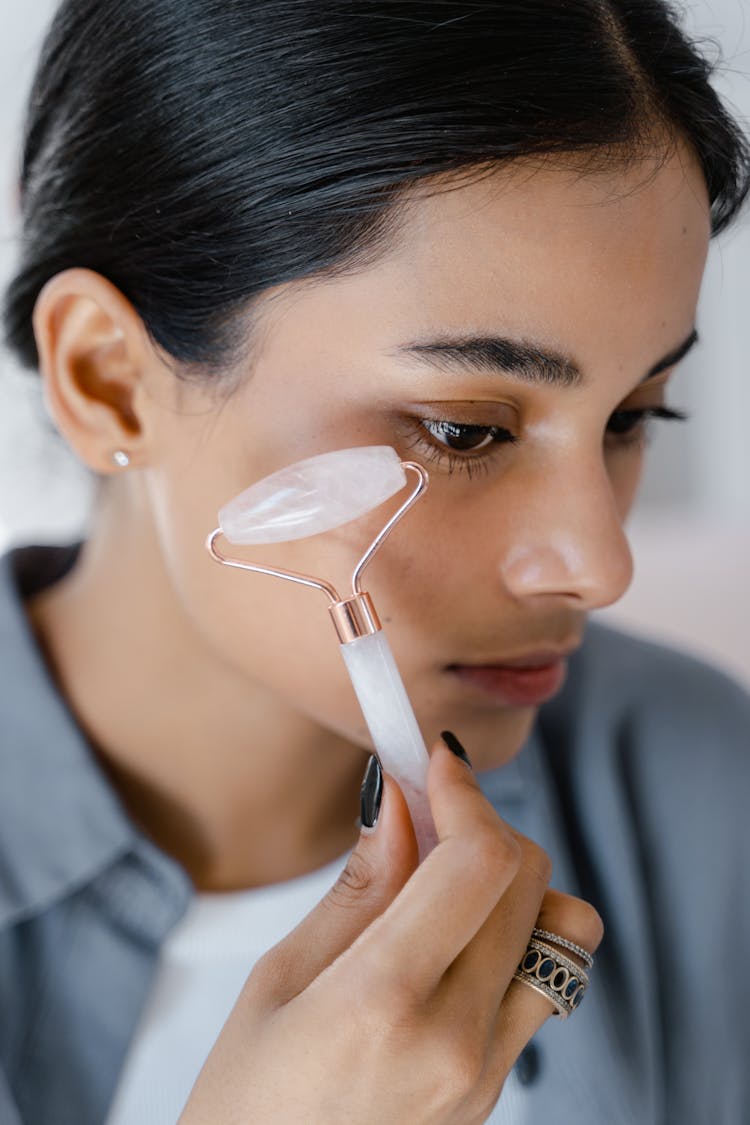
point(451, 894)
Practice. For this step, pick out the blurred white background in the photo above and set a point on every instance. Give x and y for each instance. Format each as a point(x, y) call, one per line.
point(691, 530)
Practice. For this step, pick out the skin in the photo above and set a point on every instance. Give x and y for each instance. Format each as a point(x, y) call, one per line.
point(423, 1019)
point(216, 699)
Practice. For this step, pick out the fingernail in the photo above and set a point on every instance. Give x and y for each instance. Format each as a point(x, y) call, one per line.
point(371, 793)
point(455, 746)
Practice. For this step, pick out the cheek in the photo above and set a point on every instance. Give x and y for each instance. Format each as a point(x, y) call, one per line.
point(274, 638)
point(276, 644)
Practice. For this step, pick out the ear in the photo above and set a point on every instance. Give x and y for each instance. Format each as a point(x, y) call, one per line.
point(95, 358)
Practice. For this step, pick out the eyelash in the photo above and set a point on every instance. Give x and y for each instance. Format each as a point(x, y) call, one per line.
point(632, 433)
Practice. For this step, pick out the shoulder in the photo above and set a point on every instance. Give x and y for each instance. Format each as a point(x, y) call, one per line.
point(649, 752)
point(624, 682)
point(636, 661)
point(666, 731)
point(25, 682)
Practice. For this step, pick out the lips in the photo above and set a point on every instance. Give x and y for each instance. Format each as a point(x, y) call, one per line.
point(523, 681)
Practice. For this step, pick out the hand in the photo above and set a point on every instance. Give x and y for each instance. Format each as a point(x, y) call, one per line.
point(393, 1000)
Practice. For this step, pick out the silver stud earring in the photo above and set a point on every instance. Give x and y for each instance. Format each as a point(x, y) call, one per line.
point(121, 459)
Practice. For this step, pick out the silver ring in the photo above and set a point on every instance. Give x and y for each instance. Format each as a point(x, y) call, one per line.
point(556, 939)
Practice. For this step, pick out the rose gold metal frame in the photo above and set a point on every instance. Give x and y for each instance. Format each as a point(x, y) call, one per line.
point(354, 616)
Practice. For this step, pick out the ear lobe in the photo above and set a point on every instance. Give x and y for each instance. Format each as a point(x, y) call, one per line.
point(92, 357)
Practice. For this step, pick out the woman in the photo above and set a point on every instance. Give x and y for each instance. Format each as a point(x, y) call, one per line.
point(255, 232)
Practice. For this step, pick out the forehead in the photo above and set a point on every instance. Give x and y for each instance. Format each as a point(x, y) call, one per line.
point(531, 229)
point(584, 261)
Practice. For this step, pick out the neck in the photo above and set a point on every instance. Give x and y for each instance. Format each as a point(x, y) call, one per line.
point(219, 773)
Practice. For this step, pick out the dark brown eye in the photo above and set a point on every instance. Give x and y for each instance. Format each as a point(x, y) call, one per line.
point(627, 422)
point(464, 438)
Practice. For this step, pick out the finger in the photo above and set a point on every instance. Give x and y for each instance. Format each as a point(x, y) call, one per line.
point(375, 872)
point(485, 967)
point(572, 918)
point(451, 894)
point(524, 1009)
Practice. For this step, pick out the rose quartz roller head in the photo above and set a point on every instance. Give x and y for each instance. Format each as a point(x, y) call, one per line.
point(314, 496)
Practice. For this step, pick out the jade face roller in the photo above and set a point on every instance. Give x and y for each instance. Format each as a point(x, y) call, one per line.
point(314, 496)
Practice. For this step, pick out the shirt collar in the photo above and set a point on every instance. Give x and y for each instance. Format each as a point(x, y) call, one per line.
point(61, 823)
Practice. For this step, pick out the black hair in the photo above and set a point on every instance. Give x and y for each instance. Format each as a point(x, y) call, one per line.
point(199, 152)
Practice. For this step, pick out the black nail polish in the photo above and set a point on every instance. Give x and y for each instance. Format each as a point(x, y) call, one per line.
point(453, 744)
point(371, 793)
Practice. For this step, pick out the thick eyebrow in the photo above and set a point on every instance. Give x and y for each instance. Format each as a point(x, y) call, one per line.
point(526, 361)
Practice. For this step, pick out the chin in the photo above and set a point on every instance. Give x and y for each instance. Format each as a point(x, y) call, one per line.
point(491, 739)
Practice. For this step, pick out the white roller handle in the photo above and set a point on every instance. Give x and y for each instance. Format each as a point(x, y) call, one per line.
point(393, 727)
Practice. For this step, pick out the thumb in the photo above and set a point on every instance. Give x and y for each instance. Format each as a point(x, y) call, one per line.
point(382, 861)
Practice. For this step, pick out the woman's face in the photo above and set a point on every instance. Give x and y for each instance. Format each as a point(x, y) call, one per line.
point(533, 463)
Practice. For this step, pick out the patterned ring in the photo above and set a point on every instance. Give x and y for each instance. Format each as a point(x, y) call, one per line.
point(554, 975)
point(559, 958)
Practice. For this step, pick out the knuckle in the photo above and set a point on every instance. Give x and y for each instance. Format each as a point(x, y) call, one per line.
point(388, 990)
point(266, 976)
point(391, 1020)
point(535, 859)
point(589, 925)
point(355, 881)
point(462, 1069)
point(267, 967)
point(574, 918)
point(495, 851)
point(387, 1002)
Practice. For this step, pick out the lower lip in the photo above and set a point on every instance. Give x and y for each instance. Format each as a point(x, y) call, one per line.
point(513, 687)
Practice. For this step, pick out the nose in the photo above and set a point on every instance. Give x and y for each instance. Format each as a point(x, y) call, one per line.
point(567, 540)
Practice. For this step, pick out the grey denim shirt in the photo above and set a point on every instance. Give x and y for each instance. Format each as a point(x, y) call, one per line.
point(636, 780)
